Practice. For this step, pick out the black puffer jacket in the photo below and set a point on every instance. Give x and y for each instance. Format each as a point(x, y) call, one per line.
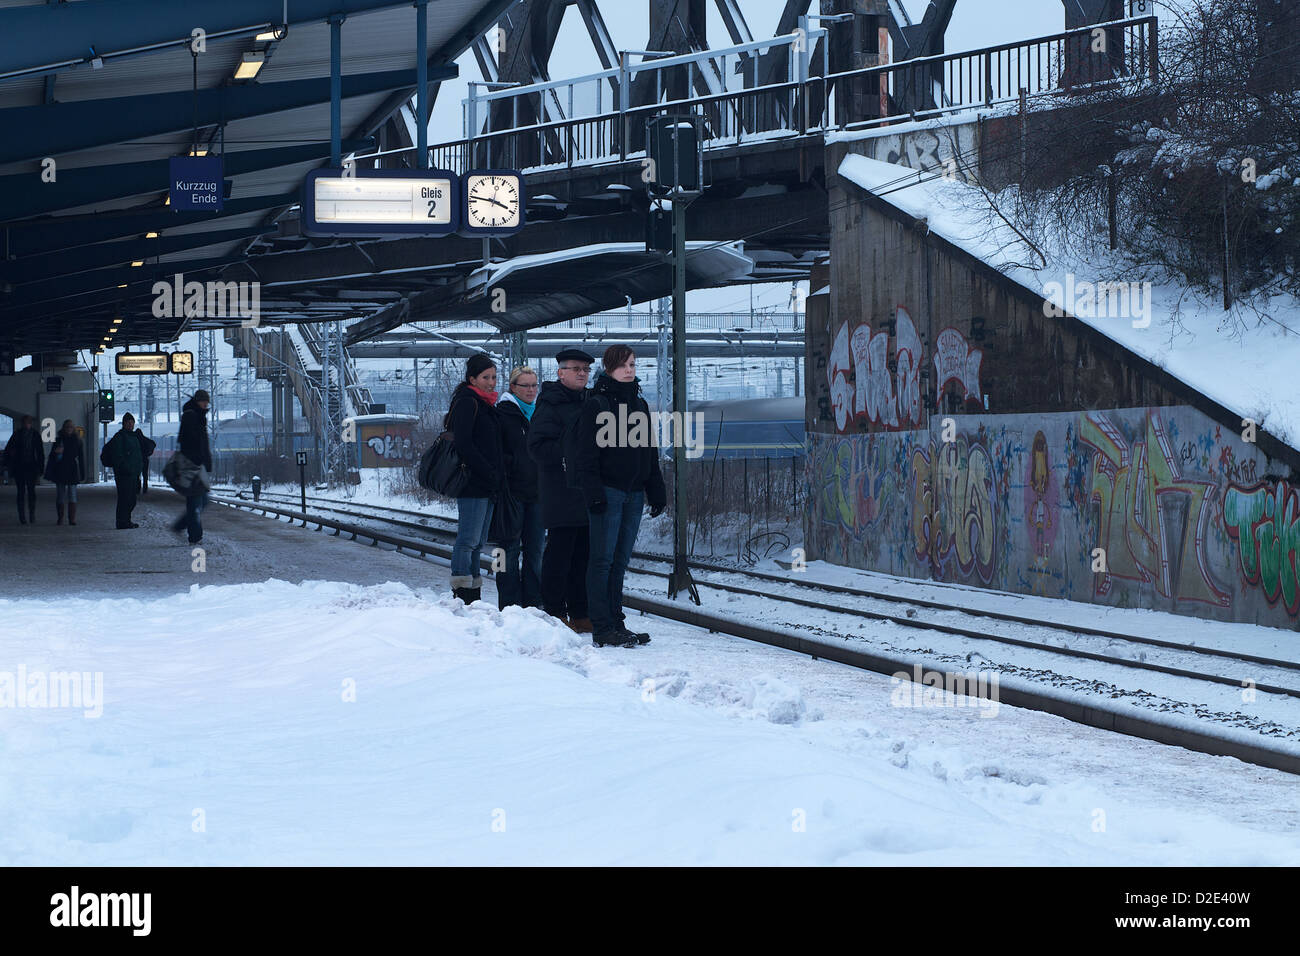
point(192, 437)
point(620, 464)
point(557, 408)
point(477, 430)
point(25, 455)
point(69, 469)
point(521, 470)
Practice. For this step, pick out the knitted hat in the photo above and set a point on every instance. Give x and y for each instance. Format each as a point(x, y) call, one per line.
point(202, 395)
point(478, 364)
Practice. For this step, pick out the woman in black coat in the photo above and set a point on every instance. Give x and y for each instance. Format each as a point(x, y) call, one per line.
point(66, 467)
point(618, 471)
point(515, 408)
point(473, 421)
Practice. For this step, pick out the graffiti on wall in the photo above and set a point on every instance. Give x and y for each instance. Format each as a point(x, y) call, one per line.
point(386, 445)
point(855, 483)
point(1264, 521)
point(953, 513)
point(956, 361)
point(1152, 522)
point(860, 380)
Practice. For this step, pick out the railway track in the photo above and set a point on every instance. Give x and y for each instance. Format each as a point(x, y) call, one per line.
point(1046, 657)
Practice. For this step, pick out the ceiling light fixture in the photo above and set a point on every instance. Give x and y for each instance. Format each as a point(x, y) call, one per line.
point(249, 64)
point(136, 263)
point(151, 235)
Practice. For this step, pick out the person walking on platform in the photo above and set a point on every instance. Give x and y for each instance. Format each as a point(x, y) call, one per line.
point(516, 585)
point(473, 421)
point(192, 442)
point(25, 459)
point(66, 467)
point(618, 470)
point(550, 442)
point(147, 446)
point(123, 455)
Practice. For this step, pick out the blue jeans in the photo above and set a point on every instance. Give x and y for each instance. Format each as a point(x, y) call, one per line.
point(613, 533)
point(524, 587)
point(194, 505)
point(474, 515)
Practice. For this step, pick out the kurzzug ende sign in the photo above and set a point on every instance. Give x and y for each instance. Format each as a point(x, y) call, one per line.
point(195, 183)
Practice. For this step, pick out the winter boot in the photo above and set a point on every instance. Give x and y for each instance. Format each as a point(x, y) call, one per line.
point(639, 637)
point(580, 625)
point(613, 637)
point(60, 510)
point(72, 512)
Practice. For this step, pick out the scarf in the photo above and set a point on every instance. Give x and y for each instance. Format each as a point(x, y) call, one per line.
point(524, 407)
point(489, 397)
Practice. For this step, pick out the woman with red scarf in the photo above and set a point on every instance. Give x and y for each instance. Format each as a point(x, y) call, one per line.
point(472, 420)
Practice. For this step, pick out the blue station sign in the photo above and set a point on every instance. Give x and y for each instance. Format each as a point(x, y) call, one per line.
point(195, 183)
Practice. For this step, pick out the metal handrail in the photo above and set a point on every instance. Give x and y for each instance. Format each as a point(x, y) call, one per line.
point(1047, 58)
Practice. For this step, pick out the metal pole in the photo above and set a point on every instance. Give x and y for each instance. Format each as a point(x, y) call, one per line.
point(680, 578)
point(422, 82)
point(336, 90)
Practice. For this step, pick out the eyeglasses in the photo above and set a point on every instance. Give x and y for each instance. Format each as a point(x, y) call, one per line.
point(584, 369)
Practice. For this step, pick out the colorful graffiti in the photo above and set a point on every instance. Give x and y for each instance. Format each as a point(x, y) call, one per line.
point(1152, 522)
point(956, 361)
point(953, 507)
point(861, 383)
point(855, 481)
point(1264, 521)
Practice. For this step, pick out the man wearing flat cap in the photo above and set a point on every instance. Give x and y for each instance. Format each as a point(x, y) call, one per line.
point(551, 436)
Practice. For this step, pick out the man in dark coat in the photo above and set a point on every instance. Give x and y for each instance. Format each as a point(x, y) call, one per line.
point(192, 442)
point(123, 455)
point(25, 459)
point(618, 471)
point(550, 441)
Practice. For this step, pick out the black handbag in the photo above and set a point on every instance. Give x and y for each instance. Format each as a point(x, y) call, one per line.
point(441, 469)
point(507, 524)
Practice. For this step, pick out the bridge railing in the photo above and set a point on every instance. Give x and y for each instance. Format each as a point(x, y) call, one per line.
point(573, 122)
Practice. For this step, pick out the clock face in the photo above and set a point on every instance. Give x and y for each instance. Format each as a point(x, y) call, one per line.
point(182, 363)
point(493, 201)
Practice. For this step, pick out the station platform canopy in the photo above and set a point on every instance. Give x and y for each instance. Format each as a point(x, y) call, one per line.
point(96, 98)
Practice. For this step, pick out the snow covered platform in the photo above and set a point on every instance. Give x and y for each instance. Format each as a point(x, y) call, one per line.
point(94, 558)
point(344, 722)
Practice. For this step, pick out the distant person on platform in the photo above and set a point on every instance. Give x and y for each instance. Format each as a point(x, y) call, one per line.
point(473, 421)
point(124, 456)
point(550, 441)
point(25, 459)
point(192, 442)
point(147, 446)
point(618, 468)
point(65, 467)
point(516, 585)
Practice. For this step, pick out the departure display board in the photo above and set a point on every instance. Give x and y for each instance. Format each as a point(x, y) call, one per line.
point(381, 202)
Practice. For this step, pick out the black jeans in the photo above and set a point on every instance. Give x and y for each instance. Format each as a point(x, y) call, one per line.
point(564, 572)
point(523, 586)
point(26, 490)
point(128, 486)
